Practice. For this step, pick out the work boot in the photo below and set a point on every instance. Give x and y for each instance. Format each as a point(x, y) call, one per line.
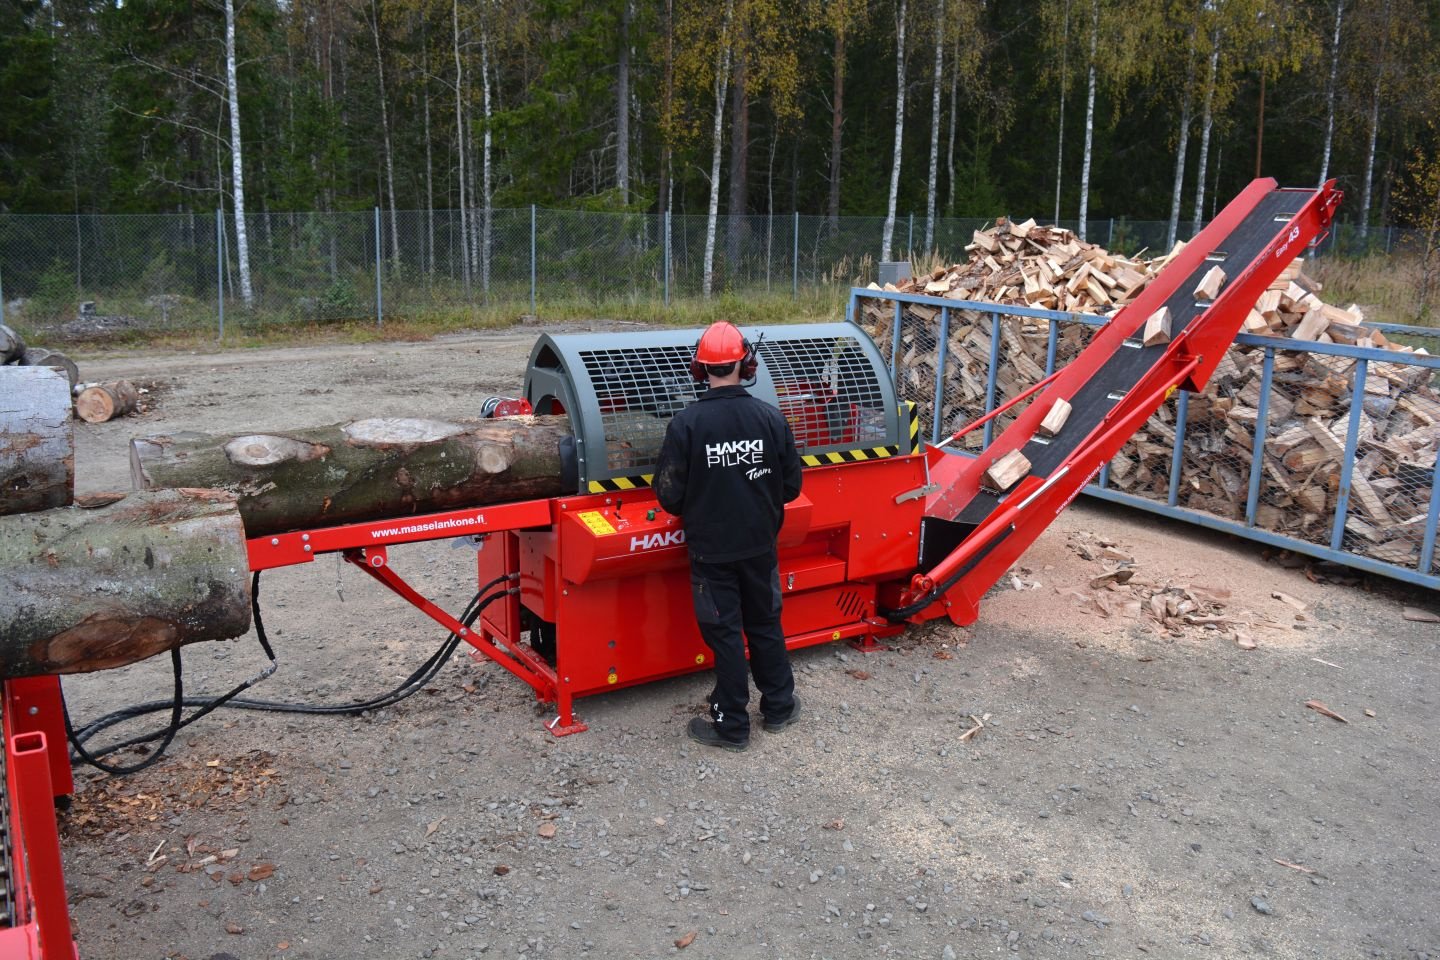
point(703, 731)
point(775, 726)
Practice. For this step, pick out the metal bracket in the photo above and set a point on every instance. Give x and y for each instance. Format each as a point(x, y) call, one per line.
point(917, 493)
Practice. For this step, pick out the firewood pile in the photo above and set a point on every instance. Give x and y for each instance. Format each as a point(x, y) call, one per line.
point(1309, 407)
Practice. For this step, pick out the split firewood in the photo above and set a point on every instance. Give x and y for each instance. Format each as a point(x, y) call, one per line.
point(1005, 472)
point(89, 589)
point(361, 470)
point(37, 442)
point(1055, 419)
point(1157, 328)
point(1307, 410)
point(102, 402)
point(1210, 284)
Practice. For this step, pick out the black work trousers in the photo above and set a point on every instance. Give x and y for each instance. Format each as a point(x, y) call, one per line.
point(734, 602)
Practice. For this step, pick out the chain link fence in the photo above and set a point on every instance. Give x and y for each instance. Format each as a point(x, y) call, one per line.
point(77, 276)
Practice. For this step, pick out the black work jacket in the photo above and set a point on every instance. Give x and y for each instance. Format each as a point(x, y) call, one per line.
point(727, 467)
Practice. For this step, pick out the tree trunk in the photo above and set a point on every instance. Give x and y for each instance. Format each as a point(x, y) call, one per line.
point(361, 470)
point(667, 97)
point(1207, 121)
point(739, 169)
point(1367, 190)
point(429, 259)
point(722, 75)
point(837, 127)
point(1181, 149)
point(487, 183)
point(90, 589)
point(1060, 127)
point(1380, 67)
point(935, 126)
point(385, 136)
point(1330, 93)
point(237, 165)
point(41, 357)
point(622, 108)
point(1089, 121)
point(460, 140)
point(37, 441)
point(950, 148)
point(103, 402)
point(889, 234)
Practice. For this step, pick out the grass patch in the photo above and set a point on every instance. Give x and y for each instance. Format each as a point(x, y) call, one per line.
point(1387, 288)
point(259, 330)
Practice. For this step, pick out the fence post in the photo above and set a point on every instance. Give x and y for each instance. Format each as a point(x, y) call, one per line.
point(910, 244)
point(532, 259)
point(667, 256)
point(220, 267)
point(795, 261)
point(2, 300)
point(1110, 244)
point(379, 242)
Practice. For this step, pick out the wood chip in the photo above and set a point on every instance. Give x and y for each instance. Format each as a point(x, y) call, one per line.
point(1300, 605)
point(1292, 866)
point(1421, 616)
point(547, 830)
point(261, 871)
point(686, 940)
point(1324, 711)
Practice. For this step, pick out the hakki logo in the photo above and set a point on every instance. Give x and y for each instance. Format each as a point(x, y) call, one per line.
point(663, 538)
point(733, 453)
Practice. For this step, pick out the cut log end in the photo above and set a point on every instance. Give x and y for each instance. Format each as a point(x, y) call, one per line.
point(103, 402)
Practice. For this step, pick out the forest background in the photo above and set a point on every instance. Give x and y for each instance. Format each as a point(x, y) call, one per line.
point(1064, 110)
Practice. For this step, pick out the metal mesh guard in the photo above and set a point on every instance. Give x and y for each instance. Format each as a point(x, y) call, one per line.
point(828, 391)
point(826, 387)
point(637, 391)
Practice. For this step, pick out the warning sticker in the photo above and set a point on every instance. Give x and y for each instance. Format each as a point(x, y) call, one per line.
point(596, 521)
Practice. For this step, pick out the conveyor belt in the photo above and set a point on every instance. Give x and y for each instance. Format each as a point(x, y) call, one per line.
point(1129, 364)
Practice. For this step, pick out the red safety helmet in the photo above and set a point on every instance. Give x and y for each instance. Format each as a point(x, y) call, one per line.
point(723, 343)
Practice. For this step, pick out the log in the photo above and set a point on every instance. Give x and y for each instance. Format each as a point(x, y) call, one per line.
point(102, 402)
point(12, 345)
point(37, 441)
point(89, 589)
point(41, 357)
point(361, 470)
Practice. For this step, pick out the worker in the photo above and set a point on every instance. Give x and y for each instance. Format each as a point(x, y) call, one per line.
point(727, 467)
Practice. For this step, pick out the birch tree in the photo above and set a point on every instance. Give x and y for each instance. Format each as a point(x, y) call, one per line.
point(460, 142)
point(385, 135)
point(889, 233)
point(841, 16)
point(1182, 145)
point(1089, 116)
point(237, 162)
point(935, 125)
point(622, 107)
point(1330, 85)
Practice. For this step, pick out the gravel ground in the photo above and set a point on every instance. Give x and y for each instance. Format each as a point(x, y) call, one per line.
point(1133, 793)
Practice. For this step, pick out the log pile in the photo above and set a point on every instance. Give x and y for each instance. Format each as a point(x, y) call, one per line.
point(1309, 406)
point(13, 349)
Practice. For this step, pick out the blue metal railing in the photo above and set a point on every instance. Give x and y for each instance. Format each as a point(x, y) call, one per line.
point(1335, 546)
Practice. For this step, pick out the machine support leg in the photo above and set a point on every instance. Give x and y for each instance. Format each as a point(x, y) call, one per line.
point(35, 808)
point(34, 705)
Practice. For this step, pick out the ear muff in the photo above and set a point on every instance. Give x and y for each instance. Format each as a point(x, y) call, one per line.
point(697, 369)
point(750, 363)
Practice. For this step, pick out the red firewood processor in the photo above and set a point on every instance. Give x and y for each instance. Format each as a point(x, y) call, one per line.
point(887, 532)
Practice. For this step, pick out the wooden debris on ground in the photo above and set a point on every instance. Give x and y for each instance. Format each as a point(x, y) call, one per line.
point(1324, 711)
point(1308, 411)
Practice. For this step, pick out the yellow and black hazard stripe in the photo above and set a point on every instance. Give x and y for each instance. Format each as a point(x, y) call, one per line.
point(617, 484)
point(847, 456)
point(910, 427)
